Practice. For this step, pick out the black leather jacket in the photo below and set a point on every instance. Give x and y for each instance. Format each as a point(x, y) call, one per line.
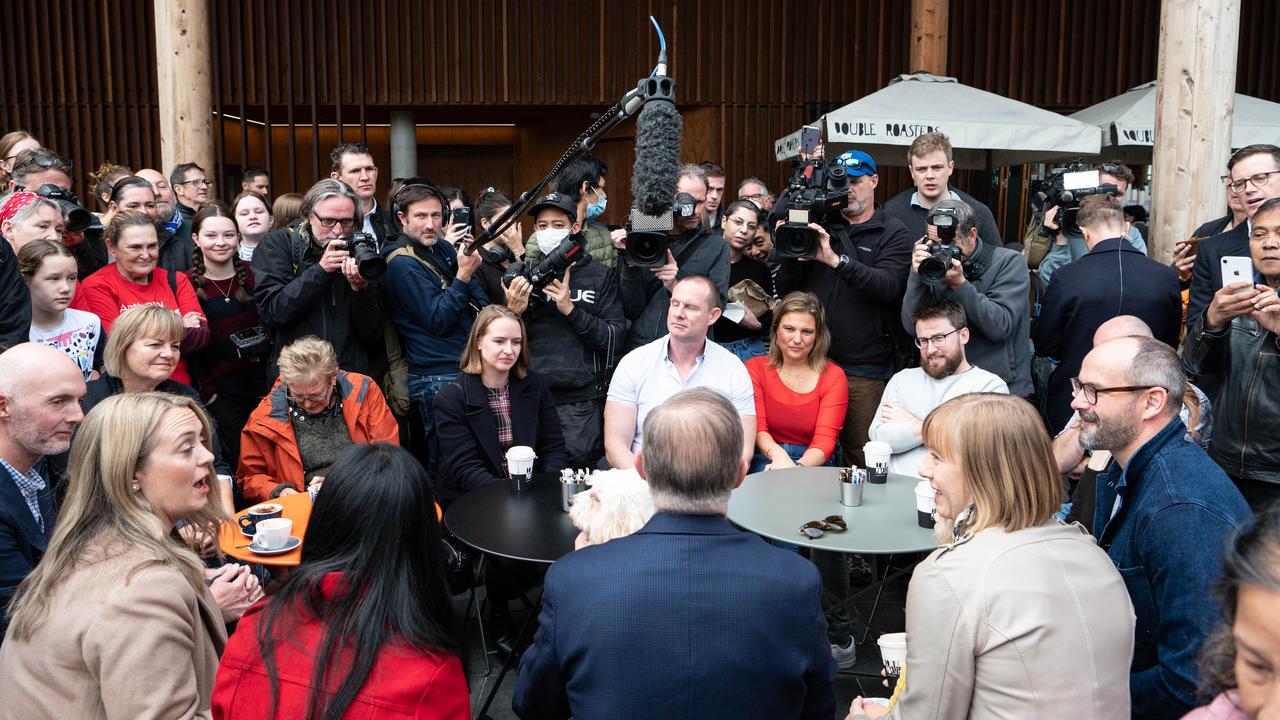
point(1245, 442)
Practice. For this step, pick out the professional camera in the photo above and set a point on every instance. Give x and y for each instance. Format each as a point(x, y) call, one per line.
point(934, 268)
point(78, 219)
point(1065, 187)
point(364, 248)
point(550, 267)
point(816, 194)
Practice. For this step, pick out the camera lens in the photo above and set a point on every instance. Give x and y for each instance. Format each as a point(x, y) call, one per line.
point(934, 268)
point(647, 249)
point(796, 241)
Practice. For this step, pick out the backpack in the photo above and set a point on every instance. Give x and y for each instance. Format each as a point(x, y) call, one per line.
point(396, 385)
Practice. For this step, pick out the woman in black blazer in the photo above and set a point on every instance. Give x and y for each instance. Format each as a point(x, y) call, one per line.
point(495, 404)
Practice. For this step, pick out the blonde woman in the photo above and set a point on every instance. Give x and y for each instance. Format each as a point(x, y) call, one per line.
point(1016, 615)
point(116, 620)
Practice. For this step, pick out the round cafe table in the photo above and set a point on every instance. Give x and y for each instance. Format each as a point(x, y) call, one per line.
point(235, 543)
point(529, 526)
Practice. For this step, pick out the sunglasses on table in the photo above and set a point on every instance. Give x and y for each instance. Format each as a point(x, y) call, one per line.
point(815, 529)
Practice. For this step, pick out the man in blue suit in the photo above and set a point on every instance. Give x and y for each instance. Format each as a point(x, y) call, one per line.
point(688, 617)
point(40, 392)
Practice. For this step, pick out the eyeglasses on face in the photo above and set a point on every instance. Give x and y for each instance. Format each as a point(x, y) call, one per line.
point(327, 223)
point(1090, 392)
point(308, 399)
point(198, 182)
point(815, 529)
point(935, 340)
point(1259, 181)
point(740, 222)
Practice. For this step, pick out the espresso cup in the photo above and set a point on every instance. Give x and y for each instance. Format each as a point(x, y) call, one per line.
point(256, 514)
point(925, 505)
point(893, 653)
point(273, 533)
point(877, 455)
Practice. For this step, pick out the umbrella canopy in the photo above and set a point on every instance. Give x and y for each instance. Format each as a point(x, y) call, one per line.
point(1128, 122)
point(985, 129)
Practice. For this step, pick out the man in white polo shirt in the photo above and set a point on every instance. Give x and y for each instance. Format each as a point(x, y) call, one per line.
point(682, 359)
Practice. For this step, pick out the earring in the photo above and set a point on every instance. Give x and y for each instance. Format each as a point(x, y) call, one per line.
point(137, 487)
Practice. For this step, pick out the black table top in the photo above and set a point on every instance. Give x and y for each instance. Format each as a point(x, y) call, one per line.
point(528, 526)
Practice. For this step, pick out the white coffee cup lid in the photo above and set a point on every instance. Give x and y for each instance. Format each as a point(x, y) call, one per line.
point(877, 446)
point(924, 488)
point(892, 640)
point(520, 452)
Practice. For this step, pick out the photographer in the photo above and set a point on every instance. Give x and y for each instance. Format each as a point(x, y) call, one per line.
point(990, 283)
point(859, 274)
point(646, 292)
point(308, 282)
point(1067, 246)
point(575, 326)
point(583, 182)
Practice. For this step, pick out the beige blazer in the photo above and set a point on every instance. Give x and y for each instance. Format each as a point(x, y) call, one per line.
point(1031, 624)
point(122, 640)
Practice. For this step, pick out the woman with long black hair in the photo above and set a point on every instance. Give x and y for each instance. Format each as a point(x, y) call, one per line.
point(365, 623)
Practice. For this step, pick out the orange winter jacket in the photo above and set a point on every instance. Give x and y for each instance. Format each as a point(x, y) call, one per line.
point(269, 450)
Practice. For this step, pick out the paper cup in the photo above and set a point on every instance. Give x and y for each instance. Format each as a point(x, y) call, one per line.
point(893, 653)
point(520, 460)
point(876, 453)
point(925, 505)
point(273, 533)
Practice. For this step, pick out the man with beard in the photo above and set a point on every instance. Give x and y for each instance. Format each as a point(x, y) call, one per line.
point(944, 373)
point(40, 393)
point(1164, 512)
point(166, 204)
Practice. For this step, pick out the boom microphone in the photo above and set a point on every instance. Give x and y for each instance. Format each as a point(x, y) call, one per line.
point(653, 181)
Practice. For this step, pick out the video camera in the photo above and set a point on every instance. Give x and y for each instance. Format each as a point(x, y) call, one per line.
point(816, 194)
point(647, 247)
point(78, 219)
point(551, 267)
point(1065, 187)
point(934, 268)
point(364, 248)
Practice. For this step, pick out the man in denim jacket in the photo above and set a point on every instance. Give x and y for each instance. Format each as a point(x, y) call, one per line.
point(1164, 511)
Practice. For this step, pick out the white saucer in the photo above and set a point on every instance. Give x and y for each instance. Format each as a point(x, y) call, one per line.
point(291, 544)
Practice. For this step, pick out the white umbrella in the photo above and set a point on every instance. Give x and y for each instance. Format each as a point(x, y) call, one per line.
point(985, 129)
point(1128, 122)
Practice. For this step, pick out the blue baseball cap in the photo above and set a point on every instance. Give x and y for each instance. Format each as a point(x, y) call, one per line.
point(856, 163)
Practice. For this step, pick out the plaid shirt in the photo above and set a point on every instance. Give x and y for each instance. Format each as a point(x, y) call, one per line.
point(30, 485)
point(500, 404)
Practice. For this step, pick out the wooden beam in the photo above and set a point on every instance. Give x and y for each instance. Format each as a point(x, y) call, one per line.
point(1196, 82)
point(929, 35)
point(183, 72)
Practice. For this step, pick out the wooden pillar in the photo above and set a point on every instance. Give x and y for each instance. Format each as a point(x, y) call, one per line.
point(1196, 83)
point(183, 77)
point(929, 35)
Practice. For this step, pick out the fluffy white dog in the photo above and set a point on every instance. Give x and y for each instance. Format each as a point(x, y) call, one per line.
point(617, 504)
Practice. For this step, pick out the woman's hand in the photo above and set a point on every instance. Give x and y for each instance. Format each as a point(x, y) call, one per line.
point(234, 588)
point(192, 320)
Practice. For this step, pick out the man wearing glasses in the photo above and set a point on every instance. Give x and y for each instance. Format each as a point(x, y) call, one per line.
point(1163, 513)
point(1114, 278)
point(191, 187)
point(308, 283)
point(1253, 175)
point(941, 332)
point(1069, 248)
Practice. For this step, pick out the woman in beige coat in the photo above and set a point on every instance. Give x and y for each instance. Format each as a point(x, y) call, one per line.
point(116, 621)
point(1016, 615)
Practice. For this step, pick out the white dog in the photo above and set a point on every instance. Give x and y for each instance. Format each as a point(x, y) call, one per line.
point(617, 504)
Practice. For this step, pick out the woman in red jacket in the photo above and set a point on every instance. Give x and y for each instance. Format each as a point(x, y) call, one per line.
point(364, 627)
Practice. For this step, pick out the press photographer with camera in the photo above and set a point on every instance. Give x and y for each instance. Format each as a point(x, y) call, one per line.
point(1068, 244)
point(573, 316)
point(692, 250)
point(309, 281)
point(953, 263)
point(858, 271)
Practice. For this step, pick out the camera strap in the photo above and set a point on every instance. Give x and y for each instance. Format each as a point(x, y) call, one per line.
point(978, 264)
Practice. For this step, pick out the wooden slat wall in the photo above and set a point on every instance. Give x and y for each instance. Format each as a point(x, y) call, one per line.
point(748, 71)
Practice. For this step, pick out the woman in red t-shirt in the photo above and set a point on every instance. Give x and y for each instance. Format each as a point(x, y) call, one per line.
point(801, 396)
point(133, 279)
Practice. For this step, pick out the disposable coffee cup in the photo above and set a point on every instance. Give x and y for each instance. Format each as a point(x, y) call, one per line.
point(520, 466)
point(925, 505)
point(877, 455)
point(273, 533)
point(256, 514)
point(893, 653)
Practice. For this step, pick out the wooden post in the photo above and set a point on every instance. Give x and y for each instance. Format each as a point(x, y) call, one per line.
point(929, 36)
point(183, 72)
point(1195, 97)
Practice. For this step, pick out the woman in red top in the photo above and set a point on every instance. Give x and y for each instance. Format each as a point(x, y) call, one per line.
point(800, 395)
point(134, 279)
point(364, 627)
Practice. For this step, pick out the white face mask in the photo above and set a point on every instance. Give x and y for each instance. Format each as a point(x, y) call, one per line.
point(550, 239)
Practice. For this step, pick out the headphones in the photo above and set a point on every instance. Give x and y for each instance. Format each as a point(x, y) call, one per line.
point(430, 187)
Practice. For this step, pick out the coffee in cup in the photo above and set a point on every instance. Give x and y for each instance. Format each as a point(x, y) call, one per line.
point(520, 466)
point(877, 455)
point(256, 514)
point(273, 533)
point(893, 653)
point(925, 505)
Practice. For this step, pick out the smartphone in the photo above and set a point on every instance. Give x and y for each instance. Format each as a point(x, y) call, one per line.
point(1236, 269)
point(461, 216)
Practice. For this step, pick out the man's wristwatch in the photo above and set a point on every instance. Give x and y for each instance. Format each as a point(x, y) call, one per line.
point(843, 263)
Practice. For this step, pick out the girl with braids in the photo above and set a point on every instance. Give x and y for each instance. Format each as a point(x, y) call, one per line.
point(229, 384)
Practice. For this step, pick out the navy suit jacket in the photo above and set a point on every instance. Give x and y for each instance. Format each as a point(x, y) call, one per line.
point(1206, 273)
point(1113, 279)
point(687, 618)
point(22, 544)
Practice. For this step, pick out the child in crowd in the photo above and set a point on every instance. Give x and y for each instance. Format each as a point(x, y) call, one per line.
point(49, 270)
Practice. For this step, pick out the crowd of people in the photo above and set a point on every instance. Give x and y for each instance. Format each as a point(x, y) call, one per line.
point(1097, 428)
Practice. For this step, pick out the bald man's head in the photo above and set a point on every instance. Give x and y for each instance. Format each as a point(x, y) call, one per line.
point(1121, 326)
point(40, 393)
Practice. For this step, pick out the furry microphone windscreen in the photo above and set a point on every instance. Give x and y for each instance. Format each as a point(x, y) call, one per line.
point(653, 179)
